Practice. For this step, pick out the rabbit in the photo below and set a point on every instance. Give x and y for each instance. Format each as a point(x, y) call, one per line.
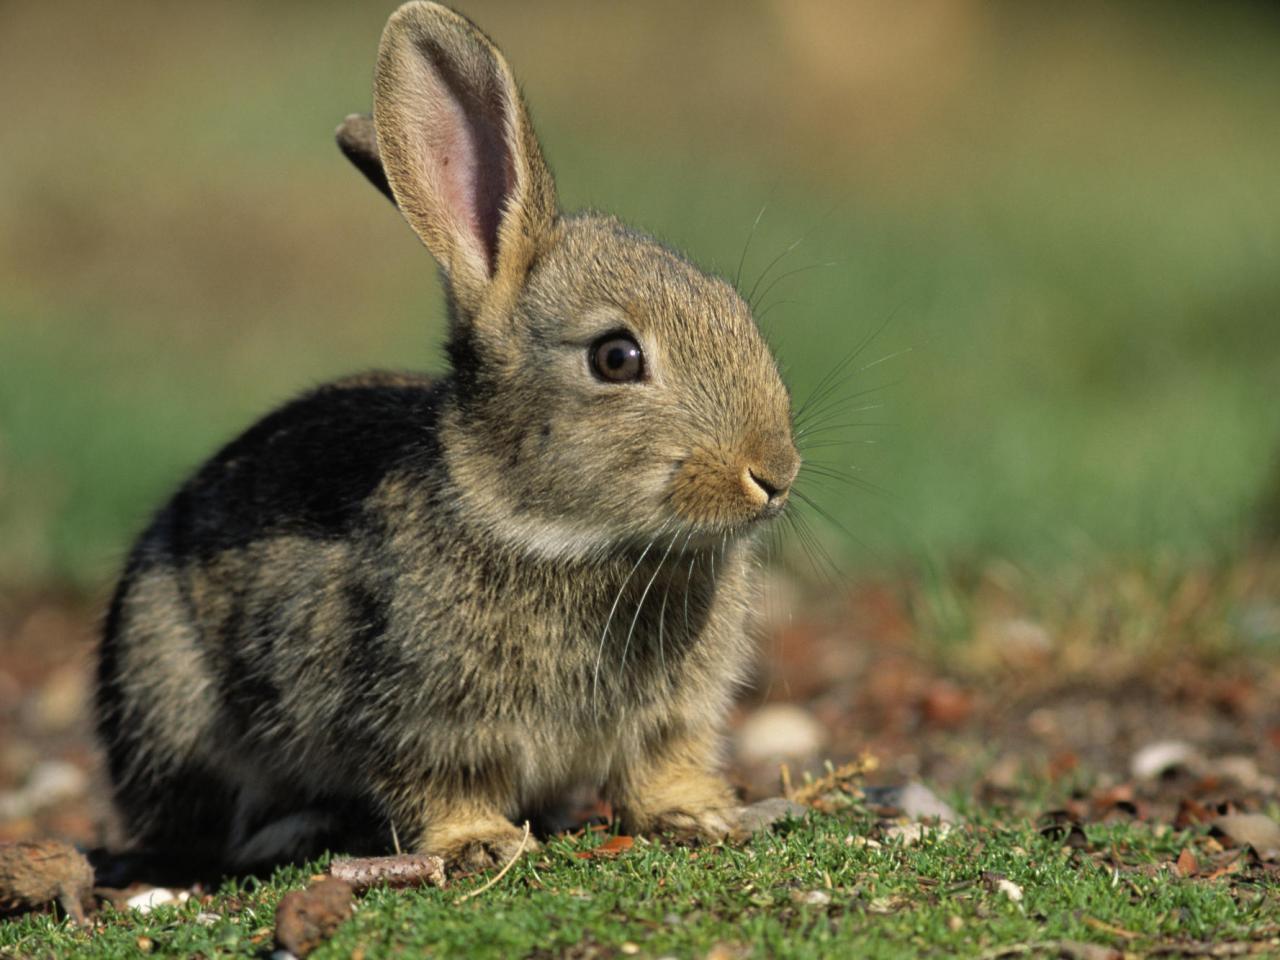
point(412, 610)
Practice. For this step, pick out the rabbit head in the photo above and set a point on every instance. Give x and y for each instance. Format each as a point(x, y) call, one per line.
point(605, 390)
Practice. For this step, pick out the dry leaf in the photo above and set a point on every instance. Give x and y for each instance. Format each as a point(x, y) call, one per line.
point(1187, 865)
point(610, 848)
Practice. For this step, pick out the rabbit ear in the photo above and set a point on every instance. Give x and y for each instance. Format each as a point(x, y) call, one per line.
point(459, 152)
point(358, 142)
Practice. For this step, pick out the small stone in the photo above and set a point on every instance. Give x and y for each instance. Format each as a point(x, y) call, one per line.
point(1243, 770)
point(955, 923)
point(1009, 889)
point(59, 703)
point(1255, 830)
point(912, 833)
point(147, 900)
point(811, 898)
point(920, 803)
point(1018, 641)
point(1165, 756)
point(629, 949)
point(780, 732)
point(50, 783)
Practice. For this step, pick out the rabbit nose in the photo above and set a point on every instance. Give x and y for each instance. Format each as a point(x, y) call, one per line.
point(767, 483)
point(771, 490)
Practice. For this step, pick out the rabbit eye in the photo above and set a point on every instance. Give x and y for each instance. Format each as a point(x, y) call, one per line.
point(616, 358)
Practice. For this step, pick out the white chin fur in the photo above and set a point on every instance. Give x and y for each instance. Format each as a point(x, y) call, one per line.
point(551, 539)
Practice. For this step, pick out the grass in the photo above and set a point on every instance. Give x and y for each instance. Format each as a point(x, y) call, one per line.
point(941, 897)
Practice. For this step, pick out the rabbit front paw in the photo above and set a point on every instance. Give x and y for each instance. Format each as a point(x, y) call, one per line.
point(710, 824)
point(481, 846)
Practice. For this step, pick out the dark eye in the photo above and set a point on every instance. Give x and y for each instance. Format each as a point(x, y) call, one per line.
point(616, 358)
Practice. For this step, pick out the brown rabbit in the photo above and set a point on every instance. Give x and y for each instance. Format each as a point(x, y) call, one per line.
point(433, 605)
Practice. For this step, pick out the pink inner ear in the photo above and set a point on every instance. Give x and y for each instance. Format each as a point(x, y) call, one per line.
point(473, 161)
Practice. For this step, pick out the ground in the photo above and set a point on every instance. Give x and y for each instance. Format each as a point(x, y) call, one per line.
point(1087, 736)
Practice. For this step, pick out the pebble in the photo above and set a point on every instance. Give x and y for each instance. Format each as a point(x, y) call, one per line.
point(148, 900)
point(811, 898)
point(50, 783)
point(920, 803)
point(913, 833)
point(780, 732)
point(59, 703)
point(1256, 830)
point(1163, 757)
point(1009, 889)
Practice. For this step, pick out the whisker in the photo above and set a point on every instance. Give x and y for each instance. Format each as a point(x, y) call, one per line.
point(826, 515)
point(847, 426)
point(804, 416)
point(829, 382)
point(737, 276)
point(791, 273)
point(622, 666)
point(751, 297)
point(832, 443)
point(595, 679)
point(666, 595)
point(688, 588)
point(829, 412)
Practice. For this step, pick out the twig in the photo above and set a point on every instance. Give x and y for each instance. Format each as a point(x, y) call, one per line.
point(501, 873)
point(834, 780)
point(403, 870)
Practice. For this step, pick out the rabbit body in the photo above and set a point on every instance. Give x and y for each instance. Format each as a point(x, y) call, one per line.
point(430, 606)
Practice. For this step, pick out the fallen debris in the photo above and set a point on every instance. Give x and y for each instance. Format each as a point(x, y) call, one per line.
point(607, 850)
point(307, 918)
point(401, 870)
point(34, 873)
point(1255, 830)
point(147, 900)
point(836, 787)
point(1165, 757)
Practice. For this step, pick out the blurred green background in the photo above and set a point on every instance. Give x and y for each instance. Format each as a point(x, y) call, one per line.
point(1065, 218)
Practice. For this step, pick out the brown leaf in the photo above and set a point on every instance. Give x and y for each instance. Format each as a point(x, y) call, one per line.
point(945, 706)
point(1234, 866)
point(1063, 763)
point(1187, 865)
point(402, 870)
point(307, 918)
point(1190, 813)
point(607, 850)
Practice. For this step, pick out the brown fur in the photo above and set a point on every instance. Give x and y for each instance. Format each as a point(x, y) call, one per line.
point(434, 606)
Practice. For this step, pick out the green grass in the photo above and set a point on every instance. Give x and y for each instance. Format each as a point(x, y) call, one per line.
point(937, 898)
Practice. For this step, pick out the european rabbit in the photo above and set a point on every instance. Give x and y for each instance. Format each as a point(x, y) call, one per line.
point(432, 605)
